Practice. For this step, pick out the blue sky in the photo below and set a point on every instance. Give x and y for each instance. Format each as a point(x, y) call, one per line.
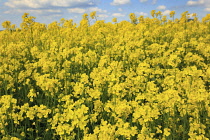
point(47, 11)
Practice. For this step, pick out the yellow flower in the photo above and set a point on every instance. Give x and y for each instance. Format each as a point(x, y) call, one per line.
point(166, 132)
point(22, 134)
point(93, 14)
point(14, 138)
point(114, 20)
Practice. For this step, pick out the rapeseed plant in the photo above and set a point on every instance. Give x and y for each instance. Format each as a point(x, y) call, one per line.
point(144, 79)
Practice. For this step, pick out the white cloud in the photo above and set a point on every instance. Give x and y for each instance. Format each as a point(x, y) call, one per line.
point(207, 9)
point(141, 13)
point(97, 9)
point(52, 11)
point(154, 1)
point(120, 9)
point(34, 11)
point(76, 10)
point(207, 5)
point(46, 3)
point(53, 16)
point(118, 15)
point(23, 3)
point(120, 2)
point(192, 3)
point(166, 12)
point(81, 10)
point(203, 3)
point(103, 16)
point(6, 12)
point(143, 0)
point(161, 7)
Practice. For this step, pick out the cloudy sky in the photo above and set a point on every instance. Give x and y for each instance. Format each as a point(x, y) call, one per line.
point(47, 11)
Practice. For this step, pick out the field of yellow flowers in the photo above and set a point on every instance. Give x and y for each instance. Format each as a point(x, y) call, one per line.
point(144, 79)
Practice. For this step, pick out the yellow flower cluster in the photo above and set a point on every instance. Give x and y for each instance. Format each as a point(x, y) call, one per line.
point(144, 79)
